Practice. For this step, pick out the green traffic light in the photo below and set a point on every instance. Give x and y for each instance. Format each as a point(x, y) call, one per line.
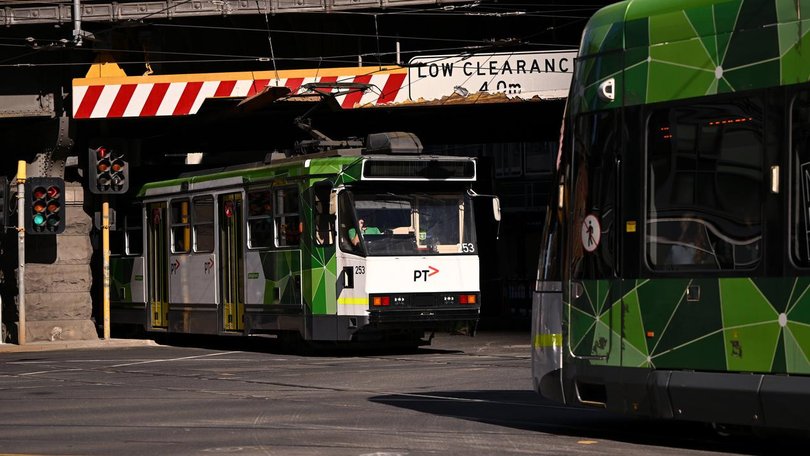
point(39, 219)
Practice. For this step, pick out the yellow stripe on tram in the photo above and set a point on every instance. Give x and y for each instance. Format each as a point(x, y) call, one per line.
point(353, 301)
point(548, 340)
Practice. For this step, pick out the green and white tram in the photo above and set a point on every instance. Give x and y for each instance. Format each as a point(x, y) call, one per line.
point(278, 249)
point(675, 267)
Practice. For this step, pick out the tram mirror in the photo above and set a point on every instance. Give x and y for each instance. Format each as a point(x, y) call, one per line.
point(333, 204)
point(496, 208)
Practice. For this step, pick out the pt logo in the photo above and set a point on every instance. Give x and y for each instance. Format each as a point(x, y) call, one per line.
point(424, 273)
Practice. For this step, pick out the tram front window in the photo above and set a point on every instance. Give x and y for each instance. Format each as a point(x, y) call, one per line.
point(379, 224)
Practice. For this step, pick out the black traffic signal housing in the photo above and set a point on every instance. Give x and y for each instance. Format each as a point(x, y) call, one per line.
point(108, 171)
point(44, 205)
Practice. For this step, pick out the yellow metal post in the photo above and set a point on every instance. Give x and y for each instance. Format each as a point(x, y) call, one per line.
point(21, 249)
point(105, 247)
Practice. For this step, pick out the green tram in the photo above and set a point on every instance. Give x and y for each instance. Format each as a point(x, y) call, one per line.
point(674, 271)
point(277, 248)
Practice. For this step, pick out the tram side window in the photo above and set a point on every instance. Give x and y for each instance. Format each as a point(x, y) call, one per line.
point(129, 235)
point(181, 228)
point(800, 181)
point(286, 216)
point(348, 225)
point(260, 218)
point(117, 239)
point(705, 184)
point(203, 220)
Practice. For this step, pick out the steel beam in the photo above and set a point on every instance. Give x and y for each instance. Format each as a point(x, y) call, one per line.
point(25, 13)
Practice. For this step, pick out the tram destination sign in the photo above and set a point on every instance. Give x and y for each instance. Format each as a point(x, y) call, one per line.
point(517, 74)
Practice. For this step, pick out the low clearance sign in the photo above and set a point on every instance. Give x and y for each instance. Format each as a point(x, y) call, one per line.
point(519, 74)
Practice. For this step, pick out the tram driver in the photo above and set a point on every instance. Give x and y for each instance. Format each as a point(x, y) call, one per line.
point(354, 234)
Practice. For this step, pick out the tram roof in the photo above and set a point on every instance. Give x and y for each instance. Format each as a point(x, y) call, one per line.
point(346, 164)
point(621, 25)
point(660, 50)
point(258, 172)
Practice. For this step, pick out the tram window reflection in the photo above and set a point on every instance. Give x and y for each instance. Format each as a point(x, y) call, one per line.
point(130, 229)
point(323, 222)
point(181, 228)
point(203, 224)
point(260, 218)
point(288, 226)
point(705, 181)
point(800, 181)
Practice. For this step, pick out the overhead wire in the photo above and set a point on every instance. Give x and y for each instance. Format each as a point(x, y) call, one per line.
point(348, 59)
point(474, 44)
point(477, 43)
point(377, 36)
point(319, 33)
point(269, 38)
point(342, 59)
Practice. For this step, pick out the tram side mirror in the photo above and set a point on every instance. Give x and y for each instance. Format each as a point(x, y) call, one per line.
point(333, 204)
point(496, 208)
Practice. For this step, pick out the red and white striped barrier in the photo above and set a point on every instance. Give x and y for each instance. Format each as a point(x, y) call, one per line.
point(151, 96)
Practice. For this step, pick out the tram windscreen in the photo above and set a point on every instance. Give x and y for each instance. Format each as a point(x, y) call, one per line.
point(382, 224)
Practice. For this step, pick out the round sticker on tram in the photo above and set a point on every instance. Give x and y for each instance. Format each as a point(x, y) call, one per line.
point(591, 233)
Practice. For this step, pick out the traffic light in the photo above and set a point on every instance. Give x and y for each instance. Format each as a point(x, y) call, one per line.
point(109, 172)
point(44, 205)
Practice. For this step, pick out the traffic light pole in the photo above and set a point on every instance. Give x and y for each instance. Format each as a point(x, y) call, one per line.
point(105, 247)
point(21, 249)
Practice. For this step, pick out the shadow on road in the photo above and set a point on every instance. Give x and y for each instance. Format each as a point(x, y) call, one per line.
point(292, 347)
point(527, 411)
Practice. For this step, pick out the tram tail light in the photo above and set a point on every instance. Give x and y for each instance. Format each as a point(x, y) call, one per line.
point(381, 301)
point(467, 299)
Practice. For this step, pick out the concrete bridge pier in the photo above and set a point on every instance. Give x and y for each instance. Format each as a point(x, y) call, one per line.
point(58, 277)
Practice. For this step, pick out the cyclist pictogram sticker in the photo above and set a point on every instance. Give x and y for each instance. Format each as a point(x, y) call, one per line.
point(591, 233)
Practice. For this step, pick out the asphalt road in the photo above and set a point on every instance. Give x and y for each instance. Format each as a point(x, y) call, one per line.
point(461, 396)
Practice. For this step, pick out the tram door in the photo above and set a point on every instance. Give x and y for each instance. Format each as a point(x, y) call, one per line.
point(595, 294)
point(231, 245)
point(157, 267)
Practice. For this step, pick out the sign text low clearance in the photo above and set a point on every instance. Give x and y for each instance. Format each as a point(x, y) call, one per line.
point(523, 75)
